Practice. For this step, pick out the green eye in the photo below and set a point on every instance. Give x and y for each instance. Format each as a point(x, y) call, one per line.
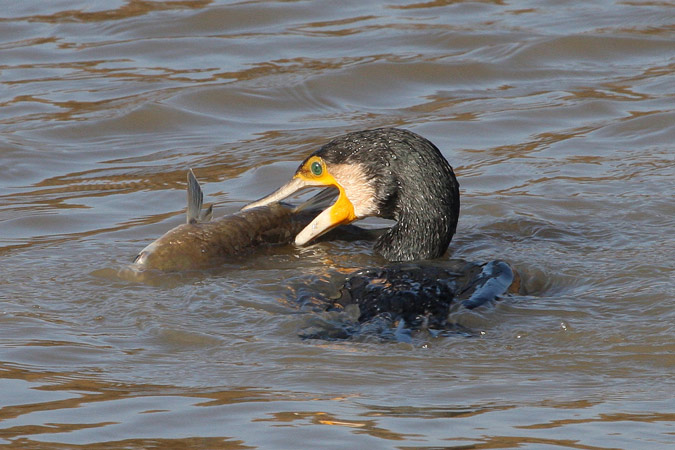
point(316, 168)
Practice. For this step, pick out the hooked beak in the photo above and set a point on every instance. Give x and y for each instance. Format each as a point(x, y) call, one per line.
point(340, 213)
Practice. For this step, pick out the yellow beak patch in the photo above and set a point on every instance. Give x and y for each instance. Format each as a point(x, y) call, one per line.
point(314, 173)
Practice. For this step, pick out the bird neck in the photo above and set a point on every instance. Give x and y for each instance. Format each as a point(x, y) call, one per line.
point(423, 230)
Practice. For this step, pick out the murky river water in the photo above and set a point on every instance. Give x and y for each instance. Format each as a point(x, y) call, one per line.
point(559, 118)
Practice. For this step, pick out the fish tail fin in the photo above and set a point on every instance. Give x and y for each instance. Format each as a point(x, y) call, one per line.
point(322, 200)
point(195, 198)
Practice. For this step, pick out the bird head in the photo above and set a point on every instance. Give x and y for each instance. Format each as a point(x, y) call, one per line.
point(389, 173)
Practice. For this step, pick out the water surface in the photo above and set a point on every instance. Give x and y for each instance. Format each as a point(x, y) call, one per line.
point(557, 117)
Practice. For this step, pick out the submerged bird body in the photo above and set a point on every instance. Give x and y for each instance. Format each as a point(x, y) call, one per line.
point(407, 296)
point(422, 294)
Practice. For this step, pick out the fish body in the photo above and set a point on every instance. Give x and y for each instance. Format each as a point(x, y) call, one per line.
point(202, 243)
point(199, 245)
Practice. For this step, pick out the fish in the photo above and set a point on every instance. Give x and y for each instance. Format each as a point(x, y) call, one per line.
point(202, 243)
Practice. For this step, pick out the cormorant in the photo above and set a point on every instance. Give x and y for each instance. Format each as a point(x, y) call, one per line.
point(393, 174)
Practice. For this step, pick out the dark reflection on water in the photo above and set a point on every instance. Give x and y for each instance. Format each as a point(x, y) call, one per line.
point(558, 119)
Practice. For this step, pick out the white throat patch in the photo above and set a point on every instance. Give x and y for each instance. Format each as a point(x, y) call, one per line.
point(358, 188)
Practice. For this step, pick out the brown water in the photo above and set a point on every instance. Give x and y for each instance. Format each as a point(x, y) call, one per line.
point(559, 118)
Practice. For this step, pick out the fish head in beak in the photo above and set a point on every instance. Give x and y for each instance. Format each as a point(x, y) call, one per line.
point(316, 172)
